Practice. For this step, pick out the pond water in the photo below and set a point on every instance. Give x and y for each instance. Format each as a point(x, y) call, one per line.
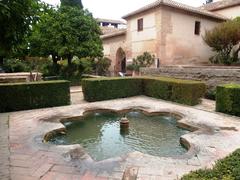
point(100, 135)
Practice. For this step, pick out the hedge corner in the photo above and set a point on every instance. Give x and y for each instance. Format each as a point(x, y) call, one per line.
point(228, 99)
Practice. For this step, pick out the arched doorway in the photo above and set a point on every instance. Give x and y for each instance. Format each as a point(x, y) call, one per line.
point(120, 61)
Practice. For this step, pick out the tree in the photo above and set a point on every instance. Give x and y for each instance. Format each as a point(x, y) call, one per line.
point(144, 60)
point(15, 19)
point(43, 40)
point(224, 39)
point(209, 1)
point(66, 32)
point(102, 66)
point(73, 3)
point(79, 34)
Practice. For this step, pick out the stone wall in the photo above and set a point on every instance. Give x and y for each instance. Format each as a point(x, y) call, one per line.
point(20, 77)
point(212, 75)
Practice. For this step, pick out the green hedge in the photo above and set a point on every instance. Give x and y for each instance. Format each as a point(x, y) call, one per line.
point(180, 91)
point(176, 90)
point(226, 169)
point(24, 96)
point(98, 89)
point(228, 99)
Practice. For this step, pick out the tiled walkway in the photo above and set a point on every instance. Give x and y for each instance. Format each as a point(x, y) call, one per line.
point(32, 159)
point(4, 149)
point(23, 156)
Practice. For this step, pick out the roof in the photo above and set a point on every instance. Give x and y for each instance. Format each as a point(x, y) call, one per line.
point(177, 5)
point(220, 5)
point(117, 33)
point(108, 30)
point(110, 21)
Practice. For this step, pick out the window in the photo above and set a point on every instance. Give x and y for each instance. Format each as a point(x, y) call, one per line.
point(140, 24)
point(197, 27)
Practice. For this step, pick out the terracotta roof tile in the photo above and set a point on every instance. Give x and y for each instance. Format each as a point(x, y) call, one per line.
point(220, 5)
point(116, 33)
point(173, 4)
point(108, 30)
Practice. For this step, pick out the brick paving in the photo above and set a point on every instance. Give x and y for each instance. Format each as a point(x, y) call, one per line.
point(24, 156)
point(77, 95)
point(4, 148)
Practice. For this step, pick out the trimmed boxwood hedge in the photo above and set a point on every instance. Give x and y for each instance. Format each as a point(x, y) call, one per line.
point(225, 169)
point(176, 90)
point(99, 89)
point(25, 96)
point(228, 99)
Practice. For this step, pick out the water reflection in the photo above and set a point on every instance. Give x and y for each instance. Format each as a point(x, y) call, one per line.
point(101, 136)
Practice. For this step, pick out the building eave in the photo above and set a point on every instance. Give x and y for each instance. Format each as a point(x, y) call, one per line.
point(219, 5)
point(119, 33)
point(176, 5)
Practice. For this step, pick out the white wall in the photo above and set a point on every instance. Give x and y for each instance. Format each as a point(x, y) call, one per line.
point(141, 41)
point(231, 12)
point(182, 45)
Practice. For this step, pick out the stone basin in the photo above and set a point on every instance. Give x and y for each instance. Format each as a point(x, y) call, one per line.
point(213, 137)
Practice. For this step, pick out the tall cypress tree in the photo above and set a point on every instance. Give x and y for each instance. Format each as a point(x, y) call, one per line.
point(72, 3)
point(209, 1)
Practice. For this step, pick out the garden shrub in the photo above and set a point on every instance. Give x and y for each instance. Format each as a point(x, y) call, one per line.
point(15, 65)
point(98, 89)
point(144, 60)
point(24, 96)
point(180, 91)
point(176, 90)
point(227, 99)
point(102, 66)
point(211, 94)
point(228, 169)
point(224, 40)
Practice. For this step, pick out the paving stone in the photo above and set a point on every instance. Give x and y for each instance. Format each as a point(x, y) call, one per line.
point(45, 161)
point(4, 147)
point(42, 170)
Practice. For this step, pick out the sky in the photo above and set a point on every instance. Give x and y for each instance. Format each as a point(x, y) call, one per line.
point(115, 9)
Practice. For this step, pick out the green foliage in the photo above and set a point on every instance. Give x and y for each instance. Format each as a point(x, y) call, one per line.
point(180, 91)
point(86, 65)
point(43, 41)
point(176, 90)
point(74, 3)
point(226, 169)
point(227, 99)
point(16, 16)
point(209, 1)
point(72, 72)
point(224, 39)
point(145, 60)
point(211, 94)
point(131, 67)
point(15, 65)
point(66, 32)
point(110, 88)
point(102, 65)
point(24, 96)
point(30, 64)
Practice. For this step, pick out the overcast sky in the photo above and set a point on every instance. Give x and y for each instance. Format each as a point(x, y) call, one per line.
point(115, 9)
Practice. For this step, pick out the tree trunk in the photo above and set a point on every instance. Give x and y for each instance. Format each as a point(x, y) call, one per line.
point(235, 55)
point(69, 58)
point(1, 60)
point(54, 59)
